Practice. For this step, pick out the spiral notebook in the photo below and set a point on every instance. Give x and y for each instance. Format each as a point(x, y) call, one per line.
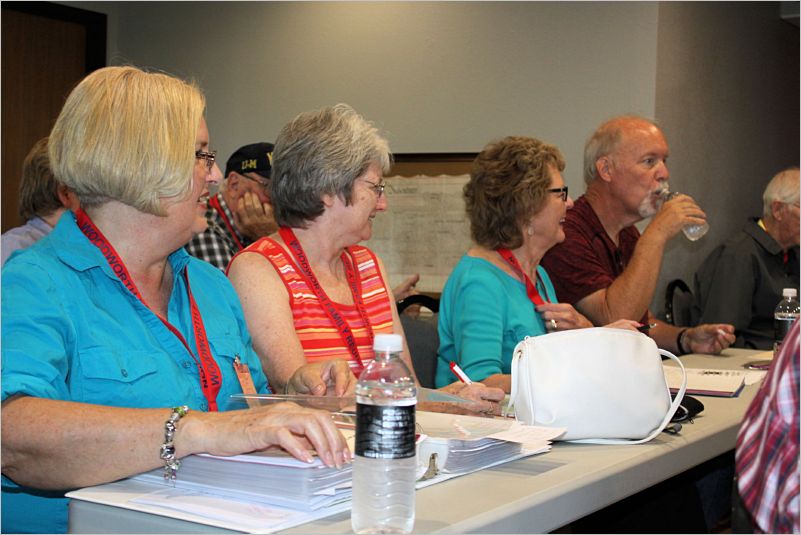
point(701, 382)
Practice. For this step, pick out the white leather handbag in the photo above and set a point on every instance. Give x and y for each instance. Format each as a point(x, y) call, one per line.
point(604, 385)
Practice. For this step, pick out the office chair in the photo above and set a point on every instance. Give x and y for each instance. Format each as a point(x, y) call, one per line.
point(422, 337)
point(678, 305)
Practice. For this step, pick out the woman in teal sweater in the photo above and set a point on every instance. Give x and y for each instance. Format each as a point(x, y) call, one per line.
point(498, 293)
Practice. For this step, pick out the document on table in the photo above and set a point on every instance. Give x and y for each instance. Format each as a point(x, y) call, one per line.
point(464, 444)
point(207, 509)
point(266, 492)
point(700, 382)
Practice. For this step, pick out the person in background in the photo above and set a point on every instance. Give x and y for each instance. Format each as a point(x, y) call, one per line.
point(604, 267)
point(105, 345)
point(766, 456)
point(498, 293)
point(240, 212)
point(741, 280)
point(310, 292)
point(42, 201)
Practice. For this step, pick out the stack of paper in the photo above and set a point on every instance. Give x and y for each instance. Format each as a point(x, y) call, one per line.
point(465, 443)
point(719, 383)
point(270, 478)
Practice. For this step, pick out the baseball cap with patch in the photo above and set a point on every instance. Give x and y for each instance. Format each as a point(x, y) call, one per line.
point(253, 158)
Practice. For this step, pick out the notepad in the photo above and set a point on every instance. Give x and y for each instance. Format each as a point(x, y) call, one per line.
point(707, 382)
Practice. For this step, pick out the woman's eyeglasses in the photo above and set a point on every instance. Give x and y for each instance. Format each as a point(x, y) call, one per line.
point(561, 191)
point(208, 157)
point(377, 187)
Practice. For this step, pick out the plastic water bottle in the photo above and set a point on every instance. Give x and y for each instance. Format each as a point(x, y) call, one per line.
point(691, 232)
point(783, 317)
point(385, 465)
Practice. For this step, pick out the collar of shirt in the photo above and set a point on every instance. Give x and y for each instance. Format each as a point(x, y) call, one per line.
point(81, 255)
point(761, 236)
point(242, 239)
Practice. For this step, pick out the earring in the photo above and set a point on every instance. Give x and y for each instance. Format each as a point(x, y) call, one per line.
point(530, 231)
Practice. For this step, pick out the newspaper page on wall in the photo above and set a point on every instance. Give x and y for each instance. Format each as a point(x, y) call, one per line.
point(425, 230)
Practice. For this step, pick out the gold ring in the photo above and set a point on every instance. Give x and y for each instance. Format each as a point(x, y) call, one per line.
point(553, 324)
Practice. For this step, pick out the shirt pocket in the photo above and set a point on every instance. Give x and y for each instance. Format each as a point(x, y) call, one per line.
point(225, 349)
point(128, 379)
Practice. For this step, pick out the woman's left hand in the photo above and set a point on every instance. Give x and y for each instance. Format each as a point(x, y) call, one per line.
point(328, 378)
point(486, 399)
point(562, 317)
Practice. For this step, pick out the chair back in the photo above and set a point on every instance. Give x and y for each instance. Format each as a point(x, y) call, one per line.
point(678, 303)
point(423, 340)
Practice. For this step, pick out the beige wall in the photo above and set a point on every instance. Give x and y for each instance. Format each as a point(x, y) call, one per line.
point(722, 78)
point(436, 77)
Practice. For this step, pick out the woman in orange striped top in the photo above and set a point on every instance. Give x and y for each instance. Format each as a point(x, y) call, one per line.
point(310, 293)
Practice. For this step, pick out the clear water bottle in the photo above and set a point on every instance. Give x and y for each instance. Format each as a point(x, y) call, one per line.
point(783, 317)
point(691, 232)
point(385, 464)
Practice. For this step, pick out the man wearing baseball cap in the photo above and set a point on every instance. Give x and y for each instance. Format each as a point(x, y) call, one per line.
point(240, 212)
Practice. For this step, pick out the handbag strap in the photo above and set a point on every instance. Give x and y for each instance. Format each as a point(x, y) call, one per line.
point(671, 411)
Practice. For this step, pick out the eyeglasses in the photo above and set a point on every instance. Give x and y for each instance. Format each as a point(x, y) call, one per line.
point(561, 191)
point(209, 157)
point(263, 182)
point(378, 188)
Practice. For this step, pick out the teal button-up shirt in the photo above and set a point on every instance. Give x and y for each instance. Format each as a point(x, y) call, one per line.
point(72, 331)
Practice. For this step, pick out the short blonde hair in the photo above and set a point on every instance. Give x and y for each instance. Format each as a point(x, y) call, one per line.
point(127, 135)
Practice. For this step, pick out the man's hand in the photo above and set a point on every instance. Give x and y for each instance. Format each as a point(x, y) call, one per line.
point(708, 338)
point(674, 215)
point(253, 218)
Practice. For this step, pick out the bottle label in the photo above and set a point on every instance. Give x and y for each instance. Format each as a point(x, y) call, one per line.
point(781, 326)
point(385, 432)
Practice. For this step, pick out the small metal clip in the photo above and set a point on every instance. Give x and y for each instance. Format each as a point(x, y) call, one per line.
point(432, 470)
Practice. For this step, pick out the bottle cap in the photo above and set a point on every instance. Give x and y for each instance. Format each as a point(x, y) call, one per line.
point(789, 292)
point(388, 342)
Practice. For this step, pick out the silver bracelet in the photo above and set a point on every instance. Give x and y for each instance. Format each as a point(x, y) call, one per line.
point(171, 464)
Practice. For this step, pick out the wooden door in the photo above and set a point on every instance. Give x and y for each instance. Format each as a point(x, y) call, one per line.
point(46, 49)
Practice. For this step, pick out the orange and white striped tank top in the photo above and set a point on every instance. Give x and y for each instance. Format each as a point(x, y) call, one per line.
point(317, 333)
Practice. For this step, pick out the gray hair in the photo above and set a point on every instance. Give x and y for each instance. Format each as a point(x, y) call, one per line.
point(319, 153)
point(783, 187)
point(605, 141)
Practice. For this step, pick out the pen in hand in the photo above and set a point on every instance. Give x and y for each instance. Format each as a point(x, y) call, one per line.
point(458, 372)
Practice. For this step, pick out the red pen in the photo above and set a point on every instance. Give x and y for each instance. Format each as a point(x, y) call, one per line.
point(458, 372)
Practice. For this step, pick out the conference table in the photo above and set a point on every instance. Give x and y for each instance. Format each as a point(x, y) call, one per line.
point(535, 494)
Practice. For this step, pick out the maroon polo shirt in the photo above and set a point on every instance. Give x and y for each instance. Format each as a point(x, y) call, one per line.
point(588, 260)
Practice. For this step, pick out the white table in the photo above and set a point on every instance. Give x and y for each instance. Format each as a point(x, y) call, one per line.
point(533, 495)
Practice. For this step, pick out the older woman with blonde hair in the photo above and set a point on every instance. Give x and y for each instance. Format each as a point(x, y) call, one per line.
point(119, 350)
point(310, 292)
point(516, 200)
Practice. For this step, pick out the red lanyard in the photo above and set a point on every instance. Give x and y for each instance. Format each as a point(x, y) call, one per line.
point(214, 202)
point(329, 306)
point(531, 289)
point(210, 377)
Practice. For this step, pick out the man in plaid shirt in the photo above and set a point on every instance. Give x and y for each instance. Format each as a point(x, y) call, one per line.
point(240, 213)
point(766, 457)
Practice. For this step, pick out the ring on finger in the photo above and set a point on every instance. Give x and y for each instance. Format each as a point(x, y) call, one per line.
point(553, 323)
